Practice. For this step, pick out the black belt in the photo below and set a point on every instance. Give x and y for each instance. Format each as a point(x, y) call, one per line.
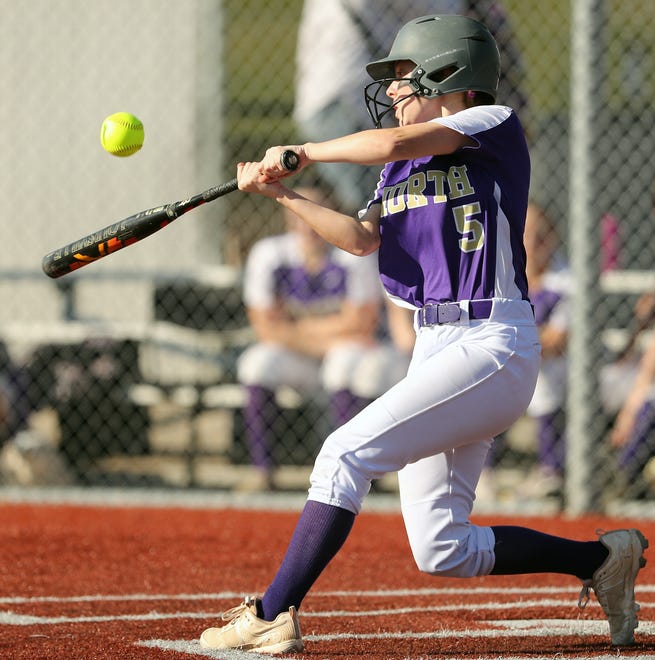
point(451, 312)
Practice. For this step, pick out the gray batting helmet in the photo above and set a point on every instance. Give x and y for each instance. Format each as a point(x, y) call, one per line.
point(452, 54)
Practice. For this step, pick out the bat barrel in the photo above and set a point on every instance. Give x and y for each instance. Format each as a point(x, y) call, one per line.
point(115, 237)
point(106, 241)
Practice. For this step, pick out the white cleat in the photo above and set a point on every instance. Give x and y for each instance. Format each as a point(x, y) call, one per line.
point(247, 632)
point(614, 582)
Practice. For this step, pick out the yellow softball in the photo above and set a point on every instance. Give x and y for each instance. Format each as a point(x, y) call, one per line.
point(122, 134)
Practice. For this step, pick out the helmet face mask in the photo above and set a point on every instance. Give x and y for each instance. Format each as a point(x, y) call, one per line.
point(452, 54)
point(378, 104)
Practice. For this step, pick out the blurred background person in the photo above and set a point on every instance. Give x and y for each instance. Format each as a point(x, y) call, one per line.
point(632, 432)
point(548, 288)
point(315, 311)
point(384, 365)
point(337, 38)
point(13, 402)
point(27, 457)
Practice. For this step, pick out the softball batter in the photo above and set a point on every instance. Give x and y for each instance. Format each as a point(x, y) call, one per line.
point(447, 220)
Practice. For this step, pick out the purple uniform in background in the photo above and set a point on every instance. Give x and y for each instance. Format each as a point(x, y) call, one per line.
point(277, 277)
point(310, 294)
point(454, 231)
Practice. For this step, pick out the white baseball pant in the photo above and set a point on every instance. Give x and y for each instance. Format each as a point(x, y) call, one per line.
point(468, 381)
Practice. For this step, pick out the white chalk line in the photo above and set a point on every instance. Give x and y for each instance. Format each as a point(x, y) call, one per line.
point(375, 593)
point(9, 618)
point(514, 628)
point(495, 629)
point(506, 628)
point(192, 648)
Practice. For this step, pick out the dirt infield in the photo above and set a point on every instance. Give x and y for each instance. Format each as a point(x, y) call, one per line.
point(142, 582)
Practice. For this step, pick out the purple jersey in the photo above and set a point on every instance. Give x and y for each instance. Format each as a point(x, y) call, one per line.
point(452, 226)
point(275, 275)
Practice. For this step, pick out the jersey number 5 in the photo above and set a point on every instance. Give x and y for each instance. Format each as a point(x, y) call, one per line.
point(472, 230)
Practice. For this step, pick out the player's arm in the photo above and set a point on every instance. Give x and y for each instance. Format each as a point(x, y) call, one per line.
point(553, 340)
point(401, 327)
point(272, 327)
point(373, 147)
point(360, 237)
point(380, 146)
point(625, 420)
point(353, 322)
point(315, 335)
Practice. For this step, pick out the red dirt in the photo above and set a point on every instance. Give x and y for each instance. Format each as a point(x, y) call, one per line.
point(161, 574)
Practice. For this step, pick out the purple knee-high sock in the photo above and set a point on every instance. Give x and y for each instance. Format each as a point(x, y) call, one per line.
point(321, 531)
point(260, 413)
point(344, 405)
point(524, 550)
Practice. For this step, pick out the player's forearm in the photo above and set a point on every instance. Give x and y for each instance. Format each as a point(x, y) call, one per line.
point(553, 341)
point(314, 336)
point(340, 230)
point(357, 326)
point(639, 393)
point(401, 327)
point(643, 384)
point(370, 147)
point(645, 376)
point(291, 338)
point(319, 346)
point(380, 146)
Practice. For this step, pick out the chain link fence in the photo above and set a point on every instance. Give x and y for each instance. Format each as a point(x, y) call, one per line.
point(127, 371)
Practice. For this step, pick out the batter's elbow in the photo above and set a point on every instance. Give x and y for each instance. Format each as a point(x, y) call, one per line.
point(364, 246)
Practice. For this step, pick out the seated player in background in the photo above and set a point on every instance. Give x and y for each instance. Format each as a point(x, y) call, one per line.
point(315, 310)
point(633, 430)
point(548, 283)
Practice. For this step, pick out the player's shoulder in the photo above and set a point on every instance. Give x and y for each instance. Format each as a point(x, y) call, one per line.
point(280, 245)
point(478, 119)
point(272, 252)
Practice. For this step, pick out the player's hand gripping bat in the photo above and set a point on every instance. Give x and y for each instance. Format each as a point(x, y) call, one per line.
point(131, 230)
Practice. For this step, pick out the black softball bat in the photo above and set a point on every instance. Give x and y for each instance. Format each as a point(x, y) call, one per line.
point(131, 230)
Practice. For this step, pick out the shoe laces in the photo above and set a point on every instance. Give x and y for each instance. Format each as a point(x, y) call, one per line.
point(584, 596)
point(235, 612)
point(587, 585)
